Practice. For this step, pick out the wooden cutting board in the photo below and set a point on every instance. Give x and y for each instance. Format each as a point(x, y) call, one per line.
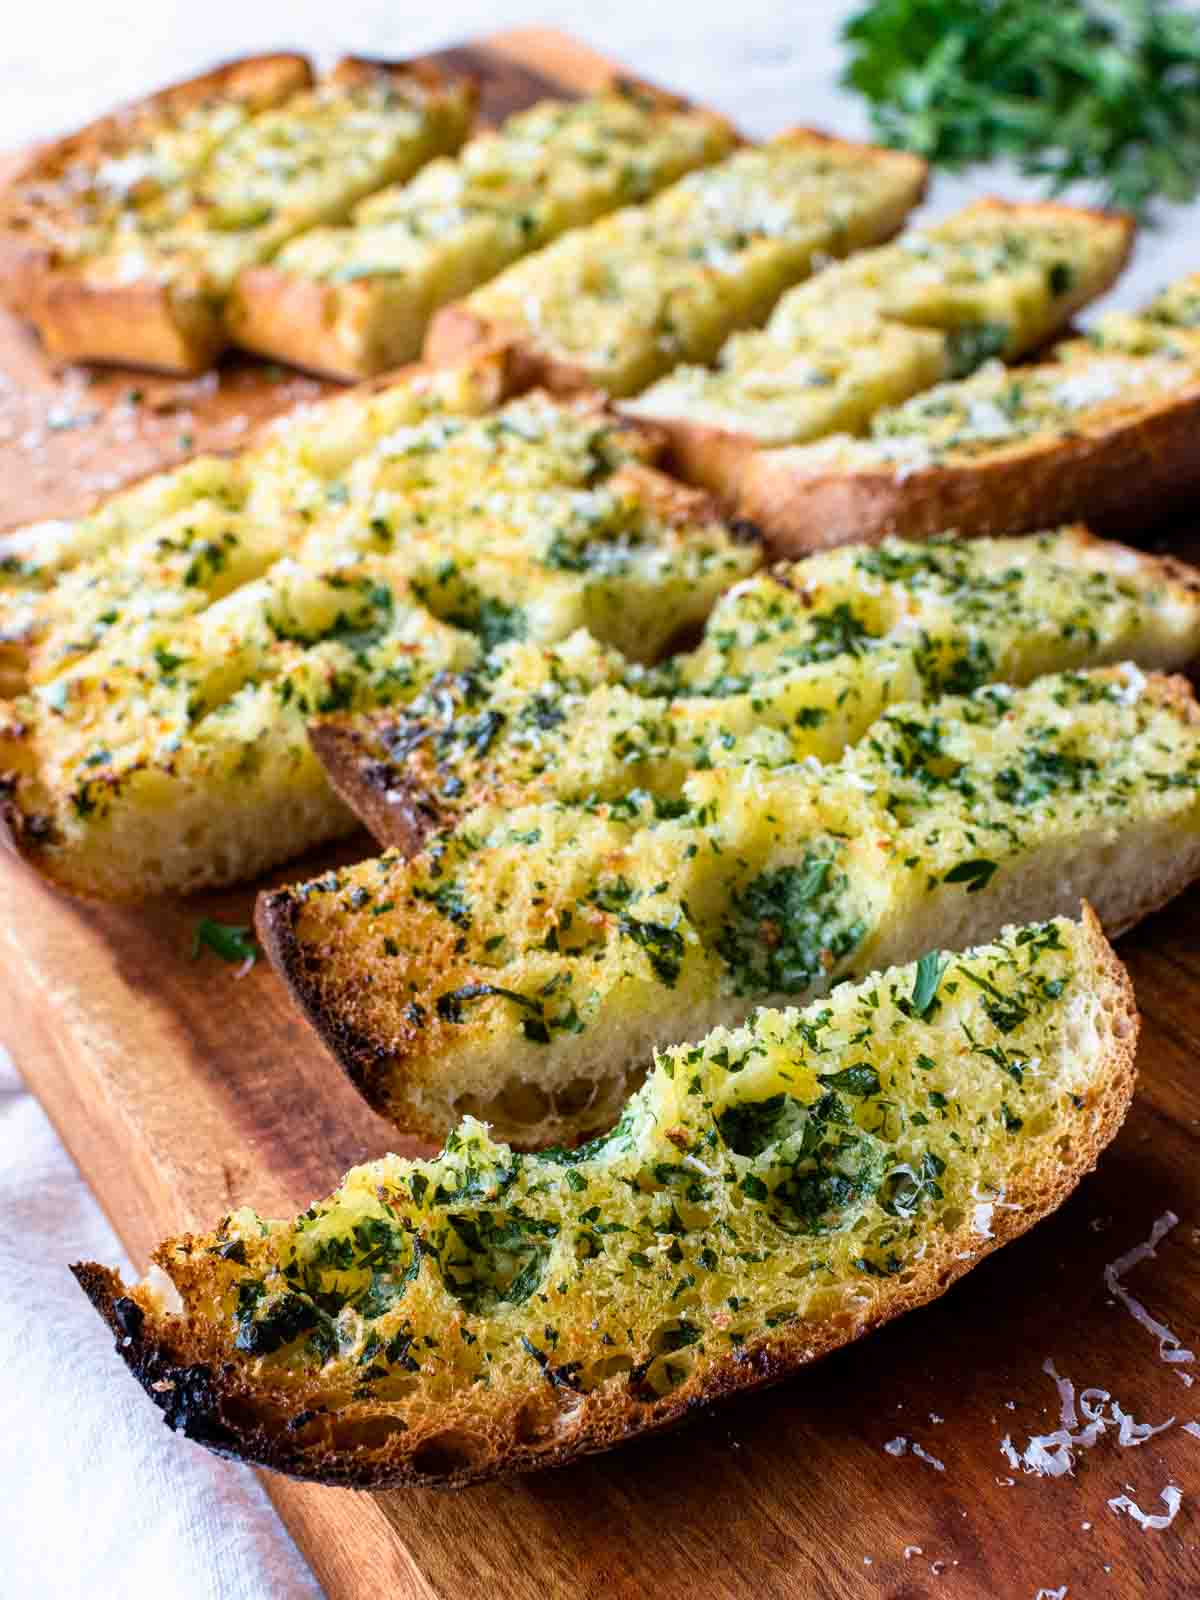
point(183, 1091)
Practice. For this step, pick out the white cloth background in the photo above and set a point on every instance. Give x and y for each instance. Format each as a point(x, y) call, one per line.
point(96, 1498)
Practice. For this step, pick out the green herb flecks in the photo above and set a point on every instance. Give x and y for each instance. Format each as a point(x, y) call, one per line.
point(789, 927)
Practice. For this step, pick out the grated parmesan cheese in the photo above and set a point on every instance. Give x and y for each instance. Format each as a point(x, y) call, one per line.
point(1171, 1497)
point(1170, 1347)
point(1052, 1455)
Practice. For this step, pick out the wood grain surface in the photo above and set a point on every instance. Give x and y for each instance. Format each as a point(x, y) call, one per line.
point(183, 1090)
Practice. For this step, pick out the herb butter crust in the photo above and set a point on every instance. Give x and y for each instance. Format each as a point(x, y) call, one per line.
point(539, 1412)
point(524, 967)
point(174, 668)
point(389, 768)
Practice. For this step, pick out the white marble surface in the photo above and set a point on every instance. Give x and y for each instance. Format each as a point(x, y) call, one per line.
point(95, 1498)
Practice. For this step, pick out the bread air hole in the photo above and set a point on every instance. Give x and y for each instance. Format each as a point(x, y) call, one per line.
point(451, 1452)
point(669, 1371)
point(365, 1433)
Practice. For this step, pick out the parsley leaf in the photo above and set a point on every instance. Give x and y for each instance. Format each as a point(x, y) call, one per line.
point(1070, 91)
point(225, 939)
point(975, 874)
point(929, 975)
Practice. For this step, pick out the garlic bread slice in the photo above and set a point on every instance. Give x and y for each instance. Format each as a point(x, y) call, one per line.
point(769, 1194)
point(1106, 438)
point(67, 196)
point(617, 304)
point(212, 517)
point(161, 745)
point(994, 279)
point(524, 965)
point(795, 663)
point(151, 289)
point(355, 299)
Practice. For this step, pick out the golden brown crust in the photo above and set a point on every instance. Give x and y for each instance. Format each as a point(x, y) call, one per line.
point(164, 327)
point(456, 330)
point(295, 319)
point(715, 458)
point(365, 1445)
point(1114, 480)
point(24, 261)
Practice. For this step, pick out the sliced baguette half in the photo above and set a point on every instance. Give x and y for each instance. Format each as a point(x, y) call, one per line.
point(356, 299)
point(1108, 439)
point(161, 745)
point(524, 966)
point(869, 332)
point(770, 1194)
point(151, 289)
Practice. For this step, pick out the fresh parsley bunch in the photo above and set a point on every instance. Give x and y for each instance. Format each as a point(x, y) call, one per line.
point(1104, 91)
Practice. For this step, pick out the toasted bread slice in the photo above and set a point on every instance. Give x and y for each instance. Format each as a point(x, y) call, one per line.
point(769, 1195)
point(150, 290)
point(795, 663)
point(1000, 278)
point(69, 193)
point(1102, 438)
point(616, 304)
point(525, 965)
point(995, 279)
point(357, 299)
point(162, 743)
point(290, 472)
